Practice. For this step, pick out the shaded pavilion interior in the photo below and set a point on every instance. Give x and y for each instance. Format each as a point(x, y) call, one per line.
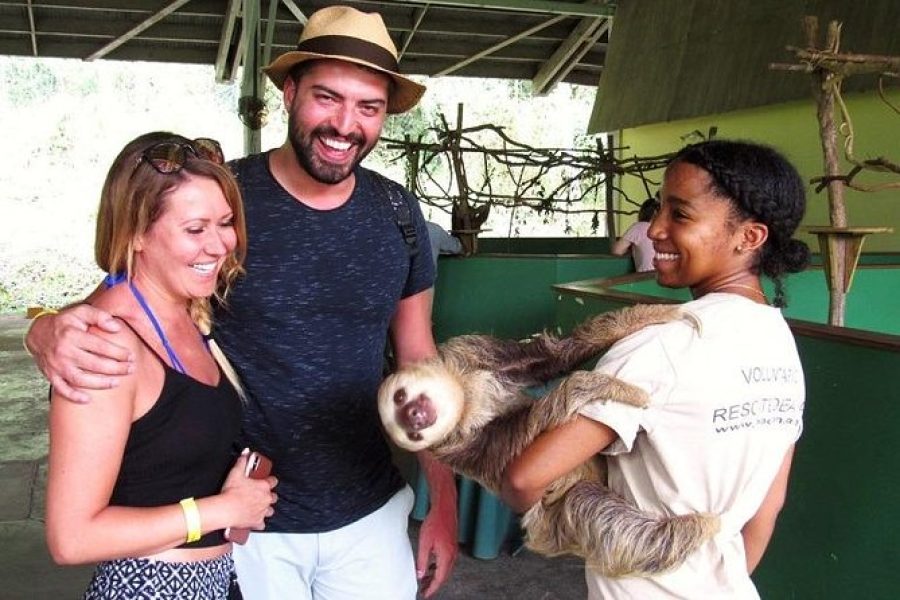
point(653, 61)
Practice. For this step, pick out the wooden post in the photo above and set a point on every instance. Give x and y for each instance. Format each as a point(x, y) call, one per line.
point(825, 86)
point(252, 81)
point(608, 189)
point(466, 221)
point(412, 165)
point(840, 244)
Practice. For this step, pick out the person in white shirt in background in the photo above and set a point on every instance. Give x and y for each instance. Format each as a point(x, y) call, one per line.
point(635, 238)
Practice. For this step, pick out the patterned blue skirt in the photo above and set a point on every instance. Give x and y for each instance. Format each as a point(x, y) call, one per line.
point(143, 579)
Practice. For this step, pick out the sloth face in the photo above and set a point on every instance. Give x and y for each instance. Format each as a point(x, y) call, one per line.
point(420, 405)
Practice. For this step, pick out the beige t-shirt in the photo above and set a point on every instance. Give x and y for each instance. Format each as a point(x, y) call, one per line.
point(726, 404)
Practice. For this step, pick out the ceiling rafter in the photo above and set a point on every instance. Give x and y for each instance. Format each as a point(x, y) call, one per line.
point(558, 66)
point(571, 9)
point(226, 63)
point(137, 29)
point(495, 47)
point(408, 37)
point(295, 10)
point(469, 38)
point(270, 32)
point(34, 48)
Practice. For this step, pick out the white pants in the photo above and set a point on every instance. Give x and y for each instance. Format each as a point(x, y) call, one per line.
point(370, 559)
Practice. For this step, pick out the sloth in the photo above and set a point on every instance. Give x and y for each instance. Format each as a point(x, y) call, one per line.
point(470, 407)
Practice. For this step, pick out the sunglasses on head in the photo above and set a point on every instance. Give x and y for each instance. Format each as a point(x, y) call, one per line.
point(170, 157)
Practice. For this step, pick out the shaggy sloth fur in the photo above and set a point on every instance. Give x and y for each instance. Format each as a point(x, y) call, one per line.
point(469, 408)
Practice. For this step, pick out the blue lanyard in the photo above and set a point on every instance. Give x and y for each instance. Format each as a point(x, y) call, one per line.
point(176, 364)
point(116, 278)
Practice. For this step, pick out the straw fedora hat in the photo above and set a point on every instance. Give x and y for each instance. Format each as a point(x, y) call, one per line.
point(344, 33)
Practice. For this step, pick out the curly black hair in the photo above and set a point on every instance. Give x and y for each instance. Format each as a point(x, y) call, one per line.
point(761, 185)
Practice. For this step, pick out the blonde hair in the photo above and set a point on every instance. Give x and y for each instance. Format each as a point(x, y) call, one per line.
point(133, 198)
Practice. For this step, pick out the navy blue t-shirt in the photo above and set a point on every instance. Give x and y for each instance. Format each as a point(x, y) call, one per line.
point(306, 328)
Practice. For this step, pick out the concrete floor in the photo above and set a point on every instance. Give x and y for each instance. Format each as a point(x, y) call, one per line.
point(27, 572)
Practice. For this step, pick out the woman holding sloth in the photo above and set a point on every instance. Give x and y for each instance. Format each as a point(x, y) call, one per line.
point(726, 397)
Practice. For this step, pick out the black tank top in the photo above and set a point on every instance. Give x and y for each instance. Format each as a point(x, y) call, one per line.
point(182, 447)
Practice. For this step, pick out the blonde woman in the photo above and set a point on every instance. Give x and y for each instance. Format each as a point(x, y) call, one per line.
point(143, 478)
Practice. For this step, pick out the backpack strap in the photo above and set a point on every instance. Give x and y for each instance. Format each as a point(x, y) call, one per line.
point(392, 193)
point(401, 211)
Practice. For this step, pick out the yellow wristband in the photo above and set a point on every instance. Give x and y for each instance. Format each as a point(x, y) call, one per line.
point(192, 519)
point(41, 313)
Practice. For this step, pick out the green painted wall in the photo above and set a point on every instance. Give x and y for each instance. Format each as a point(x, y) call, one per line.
point(871, 303)
point(508, 296)
point(837, 536)
point(558, 245)
point(793, 129)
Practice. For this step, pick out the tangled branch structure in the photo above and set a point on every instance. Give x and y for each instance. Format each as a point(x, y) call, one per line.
point(466, 171)
point(841, 244)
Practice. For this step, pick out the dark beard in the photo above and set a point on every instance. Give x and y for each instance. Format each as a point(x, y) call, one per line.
point(320, 170)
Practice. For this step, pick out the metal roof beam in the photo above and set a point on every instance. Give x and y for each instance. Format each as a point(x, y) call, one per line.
point(583, 38)
point(134, 31)
point(503, 44)
point(252, 77)
point(34, 49)
point(408, 37)
point(226, 65)
point(570, 9)
point(270, 32)
point(563, 74)
point(295, 10)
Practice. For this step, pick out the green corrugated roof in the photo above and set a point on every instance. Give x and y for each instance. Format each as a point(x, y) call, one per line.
point(672, 60)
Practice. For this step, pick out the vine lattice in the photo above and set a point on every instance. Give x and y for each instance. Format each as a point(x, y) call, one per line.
point(468, 171)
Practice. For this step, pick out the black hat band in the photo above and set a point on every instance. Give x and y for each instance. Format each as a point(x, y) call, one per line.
point(350, 47)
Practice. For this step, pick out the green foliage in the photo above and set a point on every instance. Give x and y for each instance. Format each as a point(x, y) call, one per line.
point(87, 87)
point(413, 123)
point(28, 83)
point(48, 279)
point(63, 121)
